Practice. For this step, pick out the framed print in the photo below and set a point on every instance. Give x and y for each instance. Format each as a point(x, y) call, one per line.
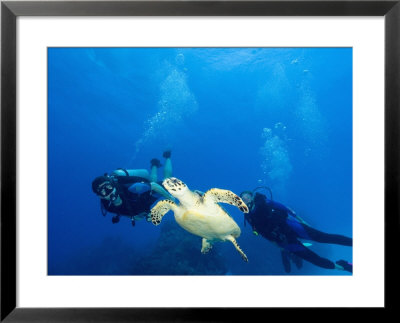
point(167, 160)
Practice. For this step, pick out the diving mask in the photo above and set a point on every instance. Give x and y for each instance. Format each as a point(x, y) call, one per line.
point(107, 191)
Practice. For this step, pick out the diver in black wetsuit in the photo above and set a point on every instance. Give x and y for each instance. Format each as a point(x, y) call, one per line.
point(132, 192)
point(282, 226)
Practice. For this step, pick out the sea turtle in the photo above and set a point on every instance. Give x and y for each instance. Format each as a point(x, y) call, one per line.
point(200, 213)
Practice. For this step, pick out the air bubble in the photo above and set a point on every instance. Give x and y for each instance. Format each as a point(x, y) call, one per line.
point(180, 59)
point(276, 164)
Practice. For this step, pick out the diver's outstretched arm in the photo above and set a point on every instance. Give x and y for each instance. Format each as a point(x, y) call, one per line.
point(160, 190)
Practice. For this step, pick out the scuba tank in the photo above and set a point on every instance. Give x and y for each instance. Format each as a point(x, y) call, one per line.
point(143, 173)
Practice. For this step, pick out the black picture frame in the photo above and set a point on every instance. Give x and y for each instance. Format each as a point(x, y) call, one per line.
point(10, 10)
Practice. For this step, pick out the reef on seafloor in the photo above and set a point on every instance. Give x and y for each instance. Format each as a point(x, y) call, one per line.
point(177, 252)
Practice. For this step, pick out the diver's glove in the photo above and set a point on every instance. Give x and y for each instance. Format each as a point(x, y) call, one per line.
point(255, 232)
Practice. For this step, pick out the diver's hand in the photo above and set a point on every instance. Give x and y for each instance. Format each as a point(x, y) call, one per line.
point(140, 216)
point(255, 232)
point(148, 217)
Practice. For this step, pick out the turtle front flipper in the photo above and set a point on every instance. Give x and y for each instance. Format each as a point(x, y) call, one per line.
point(159, 210)
point(233, 240)
point(224, 196)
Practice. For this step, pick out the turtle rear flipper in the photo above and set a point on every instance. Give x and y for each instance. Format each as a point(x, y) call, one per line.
point(205, 246)
point(225, 196)
point(233, 240)
point(159, 210)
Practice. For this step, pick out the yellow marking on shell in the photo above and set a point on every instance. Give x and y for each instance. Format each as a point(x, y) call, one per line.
point(198, 214)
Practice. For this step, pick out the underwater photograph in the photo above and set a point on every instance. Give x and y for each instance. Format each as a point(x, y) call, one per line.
point(200, 161)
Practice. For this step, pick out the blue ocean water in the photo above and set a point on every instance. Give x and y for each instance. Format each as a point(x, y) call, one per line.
point(234, 118)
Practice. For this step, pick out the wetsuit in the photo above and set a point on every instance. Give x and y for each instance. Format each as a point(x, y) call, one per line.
point(133, 203)
point(277, 223)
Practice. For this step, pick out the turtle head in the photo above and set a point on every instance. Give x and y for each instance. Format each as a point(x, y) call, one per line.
point(175, 186)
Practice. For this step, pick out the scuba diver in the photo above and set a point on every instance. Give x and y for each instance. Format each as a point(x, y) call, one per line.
point(279, 224)
point(132, 192)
